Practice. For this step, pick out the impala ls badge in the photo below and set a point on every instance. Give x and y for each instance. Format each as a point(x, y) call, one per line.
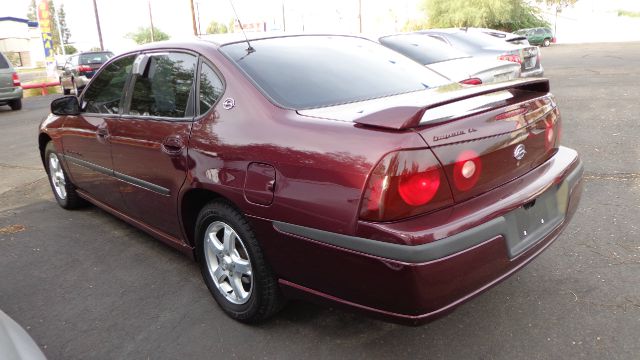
point(519, 152)
point(228, 103)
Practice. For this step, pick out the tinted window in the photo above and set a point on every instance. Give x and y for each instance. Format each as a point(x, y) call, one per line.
point(164, 88)
point(211, 88)
point(95, 58)
point(4, 64)
point(104, 93)
point(314, 71)
point(469, 42)
point(421, 48)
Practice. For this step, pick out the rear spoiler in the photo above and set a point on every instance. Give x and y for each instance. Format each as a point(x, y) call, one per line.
point(406, 117)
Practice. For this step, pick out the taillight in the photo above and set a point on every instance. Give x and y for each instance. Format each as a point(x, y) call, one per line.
point(466, 170)
point(16, 79)
point(553, 39)
point(511, 57)
point(471, 81)
point(84, 68)
point(403, 184)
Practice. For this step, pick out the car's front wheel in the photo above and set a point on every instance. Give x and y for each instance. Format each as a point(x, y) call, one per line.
point(233, 266)
point(63, 190)
point(546, 42)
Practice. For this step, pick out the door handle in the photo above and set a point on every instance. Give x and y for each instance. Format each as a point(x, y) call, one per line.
point(102, 133)
point(173, 145)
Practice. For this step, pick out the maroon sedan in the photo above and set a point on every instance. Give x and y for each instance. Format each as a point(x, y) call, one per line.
point(319, 167)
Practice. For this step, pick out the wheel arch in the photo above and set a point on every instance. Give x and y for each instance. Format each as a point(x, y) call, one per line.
point(43, 140)
point(192, 201)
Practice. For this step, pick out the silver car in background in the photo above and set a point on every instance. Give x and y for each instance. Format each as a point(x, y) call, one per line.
point(482, 45)
point(450, 62)
point(10, 89)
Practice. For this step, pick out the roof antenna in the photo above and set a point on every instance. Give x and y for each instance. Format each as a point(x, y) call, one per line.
point(250, 48)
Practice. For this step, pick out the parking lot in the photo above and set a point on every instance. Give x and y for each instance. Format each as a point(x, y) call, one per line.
point(88, 286)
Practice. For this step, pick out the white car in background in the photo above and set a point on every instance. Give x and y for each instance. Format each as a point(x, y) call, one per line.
point(15, 343)
point(450, 62)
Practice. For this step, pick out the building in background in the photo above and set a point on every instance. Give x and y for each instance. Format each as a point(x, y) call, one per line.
point(21, 42)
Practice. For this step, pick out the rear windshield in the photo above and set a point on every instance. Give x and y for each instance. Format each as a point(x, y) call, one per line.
point(303, 72)
point(95, 58)
point(470, 42)
point(4, 64)
point(422, 48)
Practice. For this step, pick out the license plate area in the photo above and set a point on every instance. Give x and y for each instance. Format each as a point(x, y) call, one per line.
point(534, 220)
point(530, 62)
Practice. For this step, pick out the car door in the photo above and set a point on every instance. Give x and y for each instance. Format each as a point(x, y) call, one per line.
point(149, 142)
point(86, 137)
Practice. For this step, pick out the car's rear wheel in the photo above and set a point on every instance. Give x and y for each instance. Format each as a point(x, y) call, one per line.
point(16, 104)
point(546, 42)
point(233, 266)
point(63, 190)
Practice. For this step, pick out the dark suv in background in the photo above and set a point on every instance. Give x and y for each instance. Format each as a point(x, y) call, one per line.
point(10, 89)
point(79, 69)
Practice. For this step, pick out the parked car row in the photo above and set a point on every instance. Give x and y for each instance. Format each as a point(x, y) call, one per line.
point(324, 167)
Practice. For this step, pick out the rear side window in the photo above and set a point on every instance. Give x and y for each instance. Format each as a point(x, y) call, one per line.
point(211, 88)
point(303, 72)
point(104, 94)
point(95, 58)
point(4, 64)
point(165, 87)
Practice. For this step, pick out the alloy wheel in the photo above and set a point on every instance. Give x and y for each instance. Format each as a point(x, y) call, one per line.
point(57, 176)
point(228, 262)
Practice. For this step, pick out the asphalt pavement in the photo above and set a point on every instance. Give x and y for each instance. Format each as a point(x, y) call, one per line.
point(88, 286)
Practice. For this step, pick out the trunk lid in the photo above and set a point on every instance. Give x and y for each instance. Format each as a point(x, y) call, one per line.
point(483, 136)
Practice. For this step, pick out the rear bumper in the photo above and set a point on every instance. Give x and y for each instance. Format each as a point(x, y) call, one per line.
point(446, 258)
point(537, 72)
point(8, 94)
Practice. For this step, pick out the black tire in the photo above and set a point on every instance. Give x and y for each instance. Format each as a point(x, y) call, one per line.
point(71, 200)
point(16, 104)
point(66, 91)
point(546, 42)
point(265, 298)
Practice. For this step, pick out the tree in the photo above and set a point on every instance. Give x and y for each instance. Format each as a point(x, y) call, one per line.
point(32, 11)
point(70, 49)
point(559, 3)
point(143, 35)
point(217, 28)
point(506, 15)
point(64, 29)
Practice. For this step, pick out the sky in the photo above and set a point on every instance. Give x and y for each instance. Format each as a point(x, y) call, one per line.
point(174, 16)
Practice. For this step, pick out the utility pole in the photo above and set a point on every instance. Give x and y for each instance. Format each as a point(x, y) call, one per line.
point(95, 9)
point(360, 15)
point(151, 20)
point(198, 16)
point(193, 18)
point(284, 23)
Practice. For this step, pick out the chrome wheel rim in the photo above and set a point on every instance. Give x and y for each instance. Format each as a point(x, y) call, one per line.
point(228, 262)
point(57, 176)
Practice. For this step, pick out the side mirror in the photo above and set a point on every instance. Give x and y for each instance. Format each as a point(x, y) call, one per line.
point(66, 105)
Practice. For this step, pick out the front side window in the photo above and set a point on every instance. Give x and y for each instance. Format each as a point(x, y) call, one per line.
point(164, 88)
point(211, 88)
point(103, 95)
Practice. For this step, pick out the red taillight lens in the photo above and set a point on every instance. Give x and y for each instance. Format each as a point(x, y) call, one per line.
point(84, 68)
point(403, 184)
point(466, 170)
point(16, 79)
point(511, 57)
point(471, 81)
point(419, 188)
